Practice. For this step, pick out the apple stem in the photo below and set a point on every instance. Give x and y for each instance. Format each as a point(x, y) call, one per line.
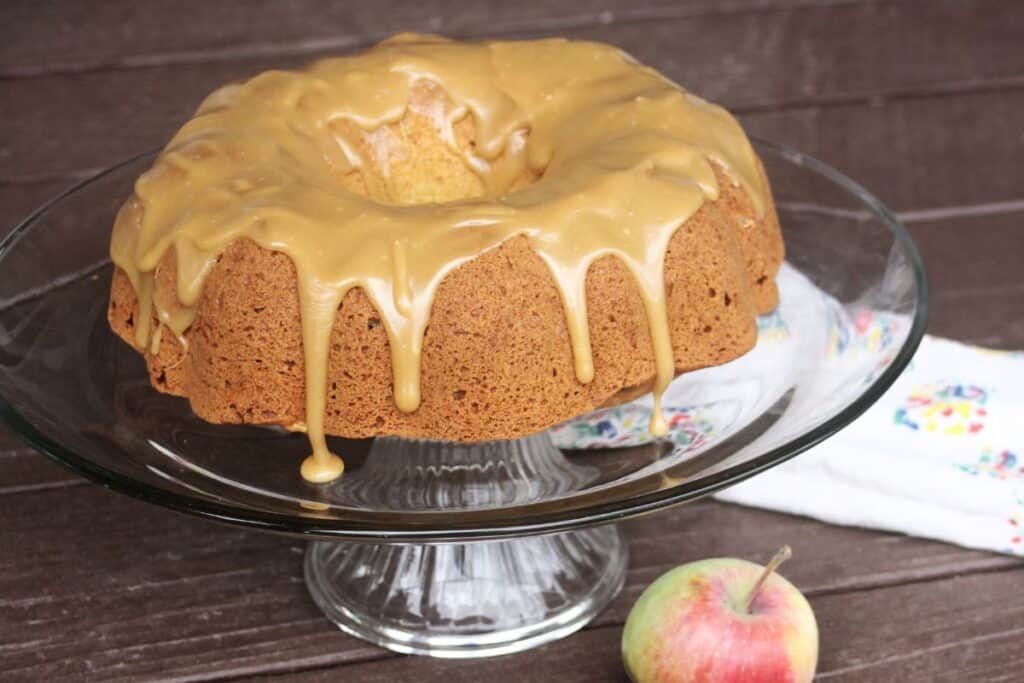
point(784, 553)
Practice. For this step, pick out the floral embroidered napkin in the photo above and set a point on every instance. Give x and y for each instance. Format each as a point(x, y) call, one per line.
point(940, 455)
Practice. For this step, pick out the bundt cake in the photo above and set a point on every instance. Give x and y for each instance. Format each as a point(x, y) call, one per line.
point(443, 240)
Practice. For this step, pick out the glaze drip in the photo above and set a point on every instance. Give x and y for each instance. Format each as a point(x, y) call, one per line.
point(619, 157)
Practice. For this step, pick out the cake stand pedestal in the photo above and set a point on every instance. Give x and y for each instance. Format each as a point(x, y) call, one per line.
point(467, 599)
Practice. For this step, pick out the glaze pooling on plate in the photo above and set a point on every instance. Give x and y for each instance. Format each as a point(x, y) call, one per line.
point(620, 157)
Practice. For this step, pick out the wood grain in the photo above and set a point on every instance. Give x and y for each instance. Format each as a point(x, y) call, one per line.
point(124, 34)
point(931, 631)
point(18, 200)
point(902, 150)
point(913, 154)
point(785, 57)
point(25, 470)
point(867, 637)
point(977, 289)
point(919, 100)
point(138, 592)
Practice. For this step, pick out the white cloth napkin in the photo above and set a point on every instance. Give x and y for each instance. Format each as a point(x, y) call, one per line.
point(940, 455)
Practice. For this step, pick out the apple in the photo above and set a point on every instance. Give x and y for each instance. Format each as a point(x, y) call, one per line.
point(721, 620)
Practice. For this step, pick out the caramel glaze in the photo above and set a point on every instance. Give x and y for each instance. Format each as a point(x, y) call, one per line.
point(619, 156)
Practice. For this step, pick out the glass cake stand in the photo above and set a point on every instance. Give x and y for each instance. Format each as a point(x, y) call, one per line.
point(464, 550)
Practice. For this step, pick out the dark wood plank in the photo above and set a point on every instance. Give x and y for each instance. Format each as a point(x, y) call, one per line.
point(953, 630)
point(914, 154)
point(931, 631)
point(993, 318)
point(138, 592)
point(977, 291)
point(23, 470)
point(826, 54)
point(18, 200)
point(591, 656)
point(969, 254)
point(124, 34)
point(68, 123)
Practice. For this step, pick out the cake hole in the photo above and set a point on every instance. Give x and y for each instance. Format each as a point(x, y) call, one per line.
point(410, 163)
point(372, 323)
point(712, 293)
point(459, 394)
point(728, 299)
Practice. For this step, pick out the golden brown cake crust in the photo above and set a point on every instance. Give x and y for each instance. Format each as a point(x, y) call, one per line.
point(497, 361)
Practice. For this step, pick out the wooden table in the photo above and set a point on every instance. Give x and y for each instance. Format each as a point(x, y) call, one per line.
point(920, 101)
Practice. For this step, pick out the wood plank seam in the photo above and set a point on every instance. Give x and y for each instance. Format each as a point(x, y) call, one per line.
point(264, 673)
point(1001, 564)
point(872, 100)
point(1014, 633)
point(511, 27)
point(963, 211)
point(276, 670)
point(46, 486)
point(879, 98)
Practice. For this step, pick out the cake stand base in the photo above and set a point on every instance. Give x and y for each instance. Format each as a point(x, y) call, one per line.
point(474, 599)
point(468, 600)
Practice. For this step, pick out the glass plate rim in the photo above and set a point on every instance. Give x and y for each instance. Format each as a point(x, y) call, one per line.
point(604, 513)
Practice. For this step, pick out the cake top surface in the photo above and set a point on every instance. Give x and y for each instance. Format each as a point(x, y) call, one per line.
point(621, 156)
